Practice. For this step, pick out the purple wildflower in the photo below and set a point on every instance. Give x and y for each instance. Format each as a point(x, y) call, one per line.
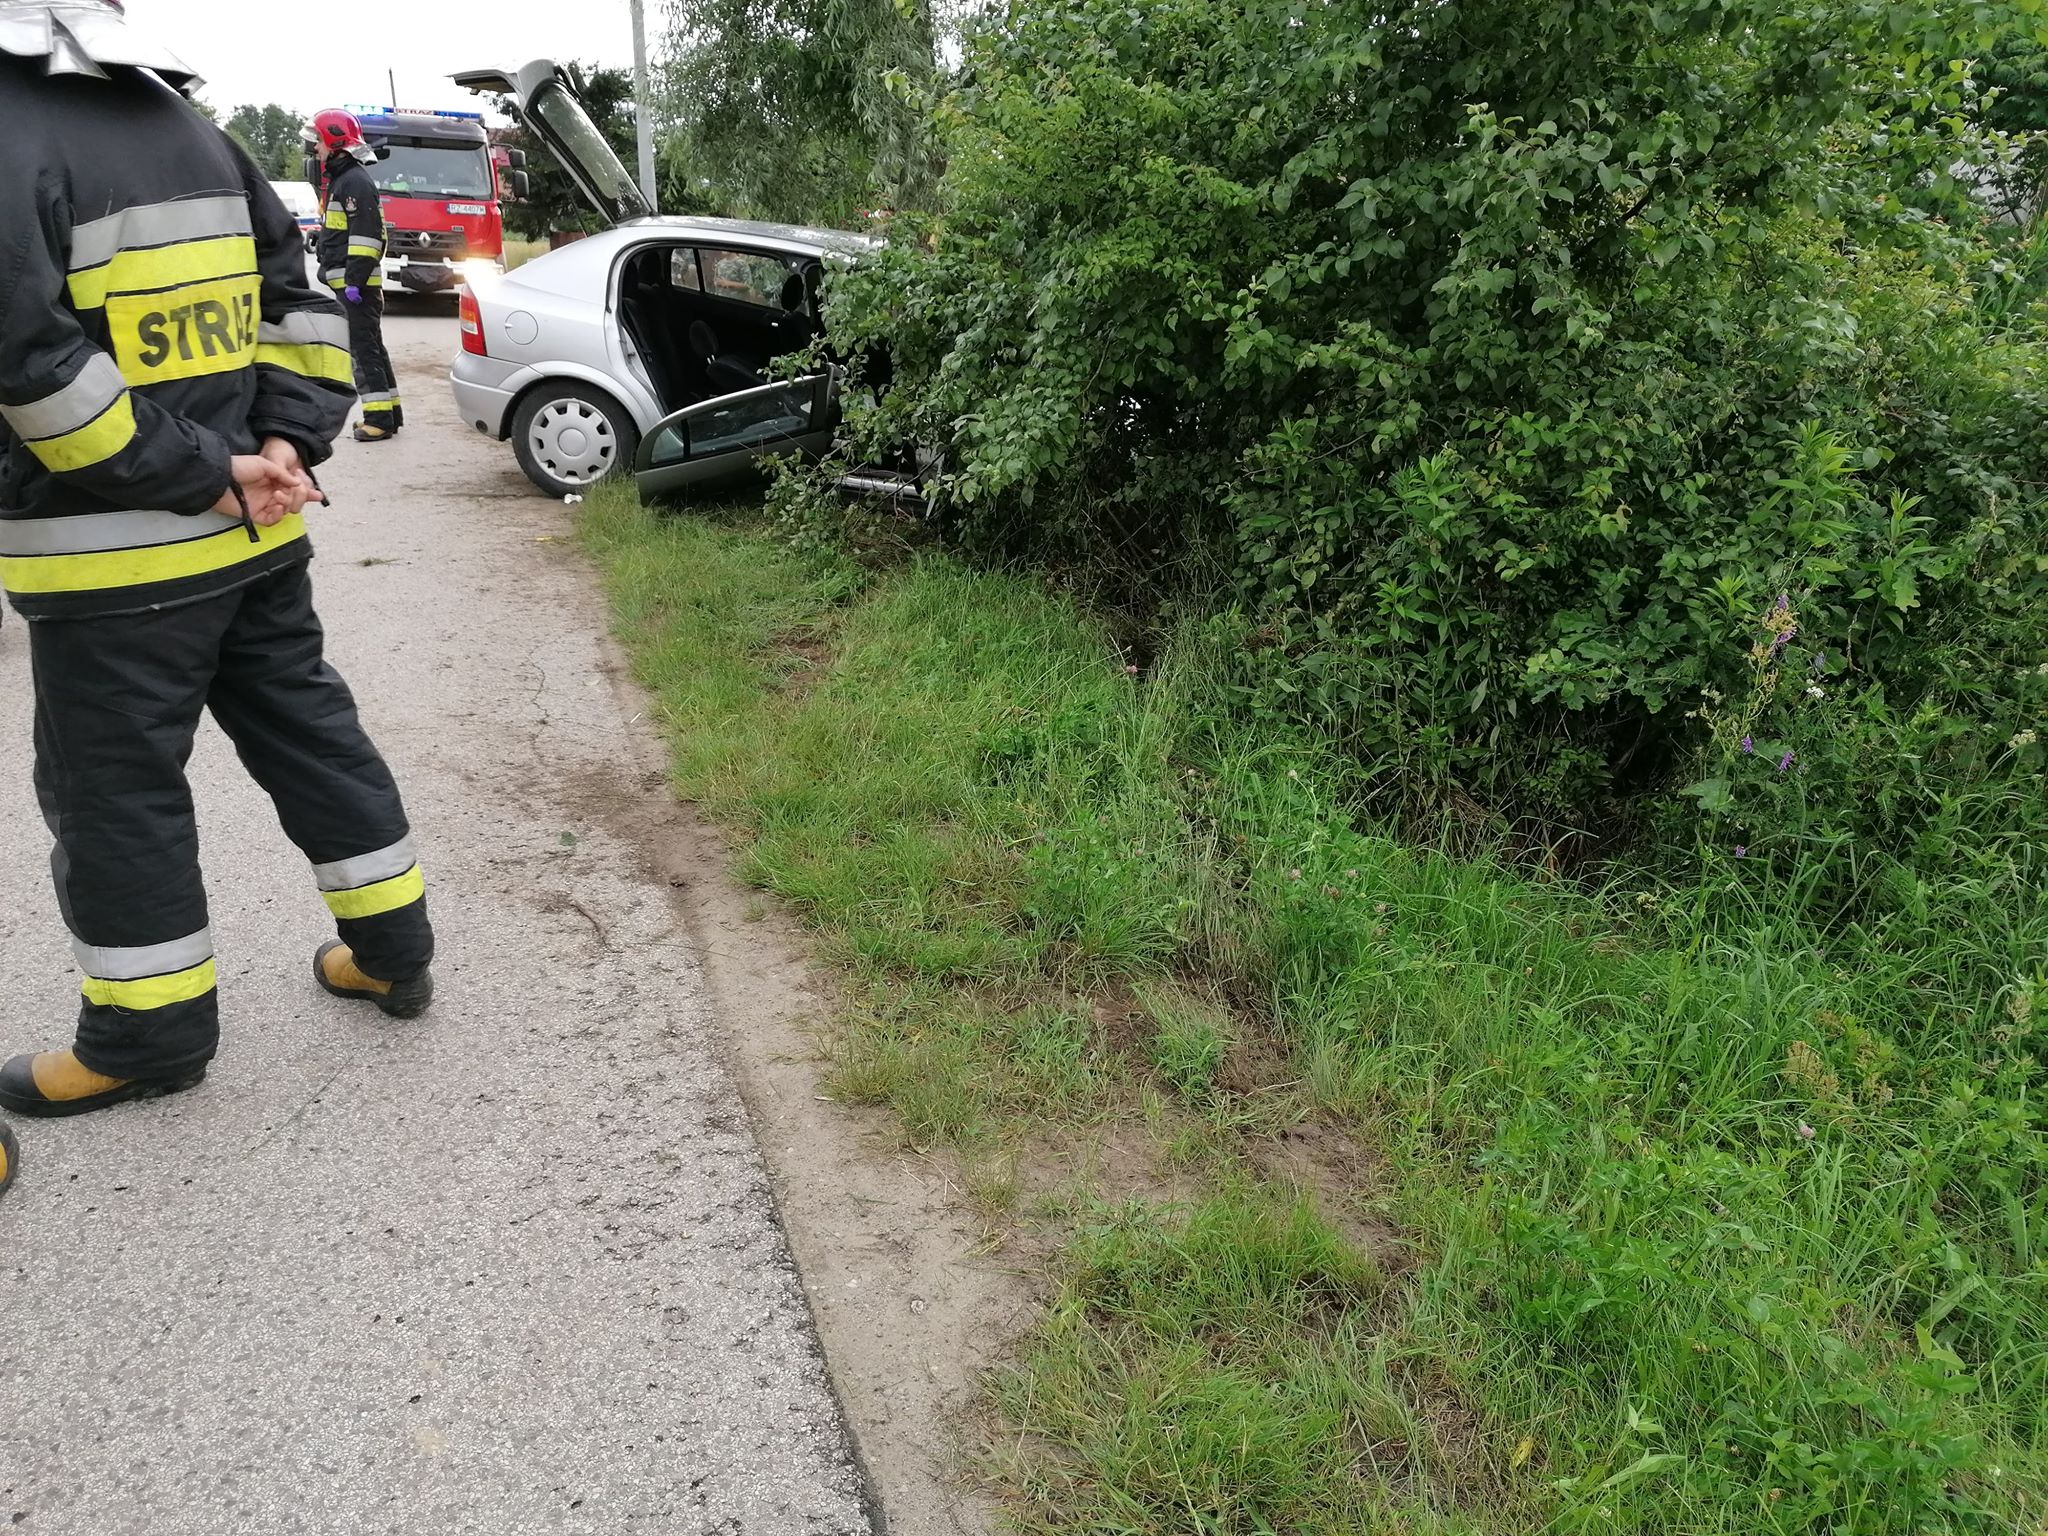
point(1742, 850)
point(1749, 743)
point(1786, 761)
point(1806, 1132)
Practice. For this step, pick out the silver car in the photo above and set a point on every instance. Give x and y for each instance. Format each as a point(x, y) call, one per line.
point(650, 346)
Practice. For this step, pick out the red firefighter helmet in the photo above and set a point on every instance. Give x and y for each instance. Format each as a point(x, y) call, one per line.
point(337, 130)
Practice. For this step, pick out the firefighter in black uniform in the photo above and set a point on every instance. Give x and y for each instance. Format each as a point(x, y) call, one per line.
point(352, 264)
point(168, 382)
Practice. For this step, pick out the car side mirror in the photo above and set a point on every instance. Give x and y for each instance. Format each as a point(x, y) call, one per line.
point(516, 159)
point(311, 166)
point(519, 184)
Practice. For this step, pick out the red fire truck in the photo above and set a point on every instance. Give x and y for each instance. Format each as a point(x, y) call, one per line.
point(443, 183)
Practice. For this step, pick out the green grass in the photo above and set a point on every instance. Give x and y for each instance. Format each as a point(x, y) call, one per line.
point(1710, 1222)
point(519, 252)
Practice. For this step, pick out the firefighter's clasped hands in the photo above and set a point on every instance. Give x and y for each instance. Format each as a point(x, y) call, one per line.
point(274, 481)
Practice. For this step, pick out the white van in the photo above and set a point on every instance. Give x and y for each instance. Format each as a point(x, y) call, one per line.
point(303, 204)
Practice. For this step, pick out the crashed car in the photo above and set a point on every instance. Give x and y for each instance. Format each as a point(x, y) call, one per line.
point(652, 346)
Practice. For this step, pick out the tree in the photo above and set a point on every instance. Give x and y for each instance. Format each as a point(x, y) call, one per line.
point(813, 110)
point(271, 136)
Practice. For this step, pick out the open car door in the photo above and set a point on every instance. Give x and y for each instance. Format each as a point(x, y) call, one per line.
point(553, 112)
point(718, 439)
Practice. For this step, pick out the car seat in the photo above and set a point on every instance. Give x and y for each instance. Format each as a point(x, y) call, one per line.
point(725, 372)
point(643, 299)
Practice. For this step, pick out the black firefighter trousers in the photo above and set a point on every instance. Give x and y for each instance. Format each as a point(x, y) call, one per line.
point(117, 703)
point(376, 383)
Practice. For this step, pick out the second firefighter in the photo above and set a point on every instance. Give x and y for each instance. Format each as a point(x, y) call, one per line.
point(352, 264)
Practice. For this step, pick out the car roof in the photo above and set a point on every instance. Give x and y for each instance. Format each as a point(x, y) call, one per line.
point(581, 267)
point(790, 237)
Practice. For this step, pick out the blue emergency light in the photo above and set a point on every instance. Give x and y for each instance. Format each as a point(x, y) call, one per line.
point(386, 112)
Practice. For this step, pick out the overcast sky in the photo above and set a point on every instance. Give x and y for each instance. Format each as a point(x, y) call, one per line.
point(310, 56)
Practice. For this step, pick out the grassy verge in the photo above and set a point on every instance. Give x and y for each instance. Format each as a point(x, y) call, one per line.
point(1498, 1204)
point(519, 252)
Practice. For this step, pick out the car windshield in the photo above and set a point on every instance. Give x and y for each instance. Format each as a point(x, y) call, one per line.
point(434, 170)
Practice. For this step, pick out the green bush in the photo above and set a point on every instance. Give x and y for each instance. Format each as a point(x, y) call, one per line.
point(1508, 363)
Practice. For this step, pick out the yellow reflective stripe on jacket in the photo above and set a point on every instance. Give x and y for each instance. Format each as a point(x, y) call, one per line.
point(95, 386)
point(98, 571)
point(309, 343)
point(94, 443)
point(316, 361)
point(337, 218)
point(148, 225)
point(362, 247)
point(152, 991)
point(168, 266)
point(375, 900)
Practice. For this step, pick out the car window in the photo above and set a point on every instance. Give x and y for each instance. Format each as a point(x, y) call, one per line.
point(767, 418)
point(746, 276)
point(763, 418)
point(562, 112)
point(682, 270)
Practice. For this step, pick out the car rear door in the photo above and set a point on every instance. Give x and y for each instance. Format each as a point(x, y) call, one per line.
point(718, 439)
point(553, 112)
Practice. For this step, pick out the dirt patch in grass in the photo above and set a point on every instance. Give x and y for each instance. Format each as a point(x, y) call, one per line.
point(1123, 1024)
point(1345, 1179)
point(801, 658)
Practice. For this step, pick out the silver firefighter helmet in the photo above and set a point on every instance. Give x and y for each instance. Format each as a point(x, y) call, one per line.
point(83, 37)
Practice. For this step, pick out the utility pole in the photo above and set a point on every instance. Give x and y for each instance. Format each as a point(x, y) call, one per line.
point(643, 106)
point(391, 78)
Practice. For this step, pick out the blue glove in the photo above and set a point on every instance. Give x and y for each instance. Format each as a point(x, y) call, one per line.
point(353, 294)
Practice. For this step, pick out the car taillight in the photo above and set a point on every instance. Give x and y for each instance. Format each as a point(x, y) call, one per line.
point(472, 325)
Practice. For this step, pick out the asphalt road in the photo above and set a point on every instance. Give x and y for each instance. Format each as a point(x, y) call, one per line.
point(514, 1269)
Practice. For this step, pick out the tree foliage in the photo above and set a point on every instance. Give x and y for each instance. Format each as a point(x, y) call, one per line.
point(271, 136)
point(2017, 71)
point(812, 110)
point(1512, 358)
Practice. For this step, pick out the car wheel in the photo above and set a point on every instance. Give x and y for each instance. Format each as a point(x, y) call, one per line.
point(570, 436)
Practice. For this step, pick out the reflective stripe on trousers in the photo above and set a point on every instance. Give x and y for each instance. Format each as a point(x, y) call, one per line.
point(372, 884)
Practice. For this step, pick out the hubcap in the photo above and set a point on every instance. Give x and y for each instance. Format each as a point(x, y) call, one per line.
point(574, 441)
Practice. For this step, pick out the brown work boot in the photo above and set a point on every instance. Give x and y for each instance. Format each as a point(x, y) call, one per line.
point(57, 1083)
point(334, 967)
point(365, 433)
point(10, 1158)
